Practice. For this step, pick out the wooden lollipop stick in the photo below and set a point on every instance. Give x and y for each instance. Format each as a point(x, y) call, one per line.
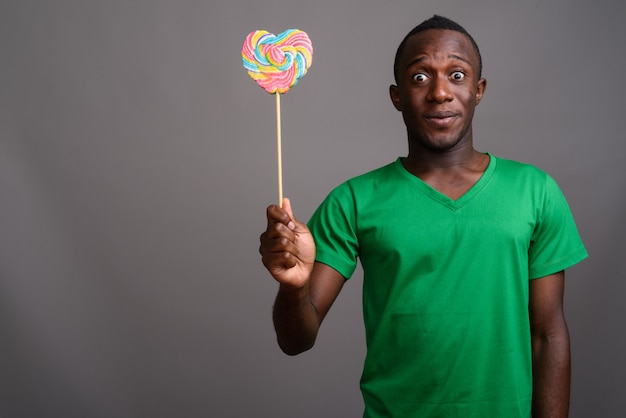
point(279, 152)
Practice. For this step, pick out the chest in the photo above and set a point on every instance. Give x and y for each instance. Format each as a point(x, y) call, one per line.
point(426, 226)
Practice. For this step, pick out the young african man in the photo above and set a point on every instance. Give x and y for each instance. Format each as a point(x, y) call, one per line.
point(463, 255)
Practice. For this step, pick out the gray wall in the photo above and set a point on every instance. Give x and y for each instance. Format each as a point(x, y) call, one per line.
point(137, 159)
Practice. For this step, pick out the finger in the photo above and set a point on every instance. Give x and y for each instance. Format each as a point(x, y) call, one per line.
point(278, 230)
point(287, 207)
point(275, 262)
point(277, 245)
point(276, 215)
point(278, 254)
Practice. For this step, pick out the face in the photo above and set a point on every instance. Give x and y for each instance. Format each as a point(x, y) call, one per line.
point(438, 89)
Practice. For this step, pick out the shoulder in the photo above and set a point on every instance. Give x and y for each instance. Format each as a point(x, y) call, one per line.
point(518, 168)
point(522, 173)
point(378, 174)
point(358, 191)
point(368, 180)
point(527, 181)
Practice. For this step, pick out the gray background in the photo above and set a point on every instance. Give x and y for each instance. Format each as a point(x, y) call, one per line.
point(137, 158)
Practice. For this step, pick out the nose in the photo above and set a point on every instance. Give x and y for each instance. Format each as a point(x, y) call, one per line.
point(439, 90)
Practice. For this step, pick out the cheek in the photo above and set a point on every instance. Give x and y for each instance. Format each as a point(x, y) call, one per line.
point(414, 100)
point(468, 100)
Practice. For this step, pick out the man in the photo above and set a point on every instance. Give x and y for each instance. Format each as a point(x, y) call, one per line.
point(463, 256)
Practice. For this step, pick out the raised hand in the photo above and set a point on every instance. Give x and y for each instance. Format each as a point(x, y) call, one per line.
point(287, 247)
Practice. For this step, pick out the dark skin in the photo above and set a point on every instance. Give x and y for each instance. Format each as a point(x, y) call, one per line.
point(437, 92)
point(438, 89)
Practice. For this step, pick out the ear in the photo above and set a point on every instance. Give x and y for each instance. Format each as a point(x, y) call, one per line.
point(394, 94)
point(480, 89)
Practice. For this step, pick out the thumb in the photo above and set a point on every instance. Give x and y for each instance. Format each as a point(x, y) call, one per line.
point(287, 208)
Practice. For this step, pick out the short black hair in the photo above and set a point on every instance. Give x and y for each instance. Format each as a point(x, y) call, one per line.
point(436, 22)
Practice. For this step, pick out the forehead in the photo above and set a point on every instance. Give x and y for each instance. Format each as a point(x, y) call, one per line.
point(439, 43)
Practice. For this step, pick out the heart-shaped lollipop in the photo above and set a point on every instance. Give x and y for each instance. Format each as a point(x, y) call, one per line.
point(277, 62)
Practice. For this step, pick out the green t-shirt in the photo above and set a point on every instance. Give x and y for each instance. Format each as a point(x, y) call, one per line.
point(445, 289)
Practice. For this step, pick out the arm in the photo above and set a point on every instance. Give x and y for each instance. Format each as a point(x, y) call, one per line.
point(550, 347)
point(306, 289)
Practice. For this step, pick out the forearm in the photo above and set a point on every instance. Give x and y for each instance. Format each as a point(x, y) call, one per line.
point(551, 375)
point(295, 320)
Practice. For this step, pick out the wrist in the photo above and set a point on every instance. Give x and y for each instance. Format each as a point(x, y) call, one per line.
point(291, 289)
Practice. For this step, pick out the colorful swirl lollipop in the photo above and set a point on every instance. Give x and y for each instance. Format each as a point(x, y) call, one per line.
point(277, 62)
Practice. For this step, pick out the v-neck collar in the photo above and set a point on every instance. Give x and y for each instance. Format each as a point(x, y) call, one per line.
point(436, 195)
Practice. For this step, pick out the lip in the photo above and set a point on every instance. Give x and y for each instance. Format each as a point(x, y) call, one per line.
point(441, 119)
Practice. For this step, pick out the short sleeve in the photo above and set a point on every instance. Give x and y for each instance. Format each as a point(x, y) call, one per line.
point(333, 226)
point(555, 243)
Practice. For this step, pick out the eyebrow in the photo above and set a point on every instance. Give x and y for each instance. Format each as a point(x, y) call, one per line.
point(451, 56)
point(460, 58)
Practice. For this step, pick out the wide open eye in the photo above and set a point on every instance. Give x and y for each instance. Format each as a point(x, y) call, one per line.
point(420, 77)
point(457, 75)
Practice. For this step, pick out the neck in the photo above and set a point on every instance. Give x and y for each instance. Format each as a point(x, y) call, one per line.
point(451, 173)
point(423, 160)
